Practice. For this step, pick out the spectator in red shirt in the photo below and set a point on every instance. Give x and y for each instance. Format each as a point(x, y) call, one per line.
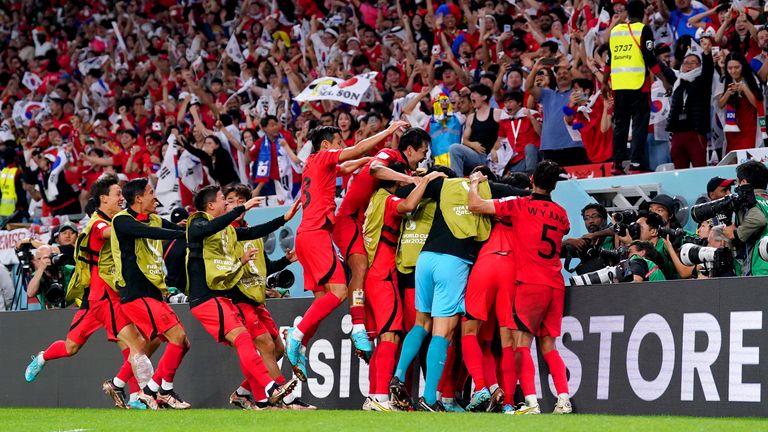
point(522, 130)
point(348, 126)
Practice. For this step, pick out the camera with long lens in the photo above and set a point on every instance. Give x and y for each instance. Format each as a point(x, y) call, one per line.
point(55, 291)
point(718, 262)
point(24, 254)
point(281, 279)
point(723, 209)
point(762, 248)
point(623, 219)
point(606, 275)
point(614, 256)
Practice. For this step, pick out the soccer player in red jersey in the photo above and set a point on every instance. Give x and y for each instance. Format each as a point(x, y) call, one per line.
point(487, 303)
point(100, 306)
point(537, 304)
point(323, 272)
point(383, 303)
point(348, 227)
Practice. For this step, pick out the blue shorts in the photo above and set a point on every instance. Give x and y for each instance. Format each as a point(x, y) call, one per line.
point(441, 281)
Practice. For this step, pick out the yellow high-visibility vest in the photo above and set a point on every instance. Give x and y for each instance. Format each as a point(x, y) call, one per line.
point(627, 64)
point(8, 189)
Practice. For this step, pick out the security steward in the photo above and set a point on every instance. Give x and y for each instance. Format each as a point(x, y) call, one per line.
point(631, 58)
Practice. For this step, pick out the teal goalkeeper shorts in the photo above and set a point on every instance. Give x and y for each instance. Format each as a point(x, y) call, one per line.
point(441, 281)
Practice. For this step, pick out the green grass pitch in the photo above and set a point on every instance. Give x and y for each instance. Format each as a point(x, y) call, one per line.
point(50, 419)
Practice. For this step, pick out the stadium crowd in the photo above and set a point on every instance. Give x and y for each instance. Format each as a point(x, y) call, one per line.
point(220, 106)
point(87, 89)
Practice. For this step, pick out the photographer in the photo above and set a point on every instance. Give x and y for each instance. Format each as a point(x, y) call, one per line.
point(752, 223)
point(64, 238)
point(46, 288)
point(646, 228)
point(644, 263)
point(599, 237)
point(664, 206)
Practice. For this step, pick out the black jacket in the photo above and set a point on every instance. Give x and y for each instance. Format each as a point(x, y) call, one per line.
point(222, 169)
point(692, 101)
point(201, 228)
point(128, 229)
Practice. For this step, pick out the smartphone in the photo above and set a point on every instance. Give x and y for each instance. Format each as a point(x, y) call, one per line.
point(507, 28)
point(436, 50)
point(715, 50)
point(549, 62)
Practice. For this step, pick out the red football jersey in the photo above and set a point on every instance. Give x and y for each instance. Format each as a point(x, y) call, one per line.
point(99, 289)
point(383, 264)
point(539, 226)
point(318, 190)
point(502, 239)
point(362, 185)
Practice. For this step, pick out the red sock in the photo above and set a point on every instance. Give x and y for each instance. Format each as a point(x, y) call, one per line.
point(489, 366)
point(159, 373)
point(372, 377)
point(57, 350)
point(170, 361)
point(508, 374)
point(473, 359)
point(526, 371)
point(309, 334)
point(126, 371)
point(358, 314)
point(446, 386)
point(320, 309)
point(385, 365)
point(557, 370)
point(251, 364)
point(133, 385)
point(409, 308)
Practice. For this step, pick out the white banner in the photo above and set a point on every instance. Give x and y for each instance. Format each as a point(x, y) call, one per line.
point(351, 91)
point(8, 240)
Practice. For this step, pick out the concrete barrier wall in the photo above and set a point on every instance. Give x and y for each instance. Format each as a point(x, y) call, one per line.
point(680, 347)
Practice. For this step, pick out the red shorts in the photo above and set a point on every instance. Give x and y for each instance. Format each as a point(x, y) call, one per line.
point(257, 320)
point(538, 309)
point(83, 325)
point(152, 317)
point(348, 236)
point(318, 256)
point(111, 316)
point(487, 292)
point(219, 317)
point(383, 307)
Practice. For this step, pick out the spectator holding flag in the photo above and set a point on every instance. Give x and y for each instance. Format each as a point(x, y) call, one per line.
point(689, 114)
point(46, 182)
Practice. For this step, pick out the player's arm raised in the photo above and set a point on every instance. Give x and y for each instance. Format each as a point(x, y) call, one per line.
point(476, 203)
point(351, 166)
point(382, 172)
point(368, 144)
point(409, 204)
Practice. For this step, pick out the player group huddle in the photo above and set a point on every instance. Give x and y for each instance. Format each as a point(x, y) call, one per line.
point(424, 253)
